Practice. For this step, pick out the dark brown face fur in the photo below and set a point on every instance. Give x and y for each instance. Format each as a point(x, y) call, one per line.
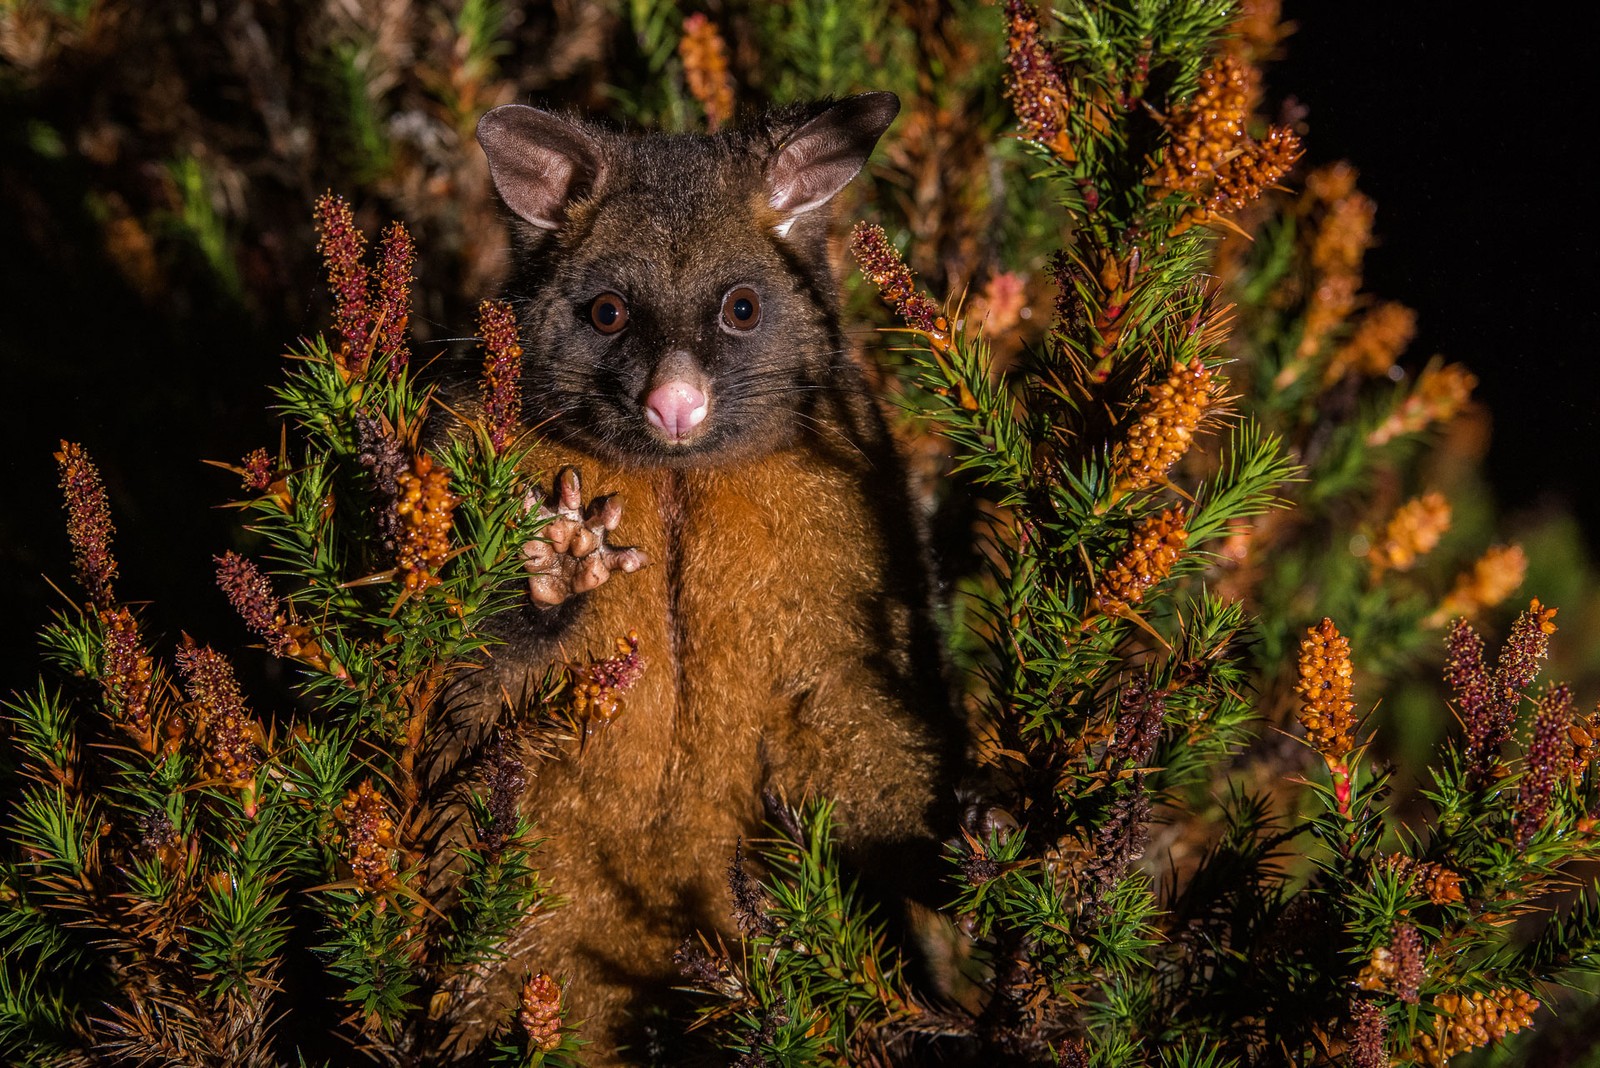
point(673, 231)
point(672, 225)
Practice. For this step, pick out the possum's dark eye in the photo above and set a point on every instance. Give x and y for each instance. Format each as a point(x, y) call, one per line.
point(608, 313)
point(741, 309)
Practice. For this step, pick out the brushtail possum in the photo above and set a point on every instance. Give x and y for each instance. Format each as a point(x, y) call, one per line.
point(704, 429)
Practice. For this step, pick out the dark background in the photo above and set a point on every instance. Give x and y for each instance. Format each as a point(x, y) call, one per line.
point(1469, 135)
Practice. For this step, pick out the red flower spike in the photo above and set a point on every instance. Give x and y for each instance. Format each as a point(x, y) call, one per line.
point(126, 674)
point(1368, 1031)
point(1409, 963)
point(89, 526)
point(343, 249)
point(1526, 647)
point(1547, 761)
point(259, 471)
point(397, 258)
point(504, 782)
point(1034, 84)
point(367, 838)
point(250, 593)
point(502, 371)
point(885, 269)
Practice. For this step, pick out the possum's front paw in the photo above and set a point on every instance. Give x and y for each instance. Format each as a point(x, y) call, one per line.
point(572, 556)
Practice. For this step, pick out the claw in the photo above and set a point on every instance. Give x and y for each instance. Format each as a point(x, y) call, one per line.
point(630, 560)
point(606, 511)
point(571, 491)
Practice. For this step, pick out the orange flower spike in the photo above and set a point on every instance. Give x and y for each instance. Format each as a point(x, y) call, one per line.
point(427, 512)
point(1033, 82)
point(540, 1012)
point(367, 838)
point(1344, 235)
point(1494, 577)
point(1379, 339)
point(1467, 1021)
point(1412, 532)
point(502, 371)
point(1210, 158)
point(230, 741)
point(1327, 709)
point(1440, 394)
point(1163, 428)
point(89, 527)
point(1155, 548)
point(1253, 171)
point(705, 69)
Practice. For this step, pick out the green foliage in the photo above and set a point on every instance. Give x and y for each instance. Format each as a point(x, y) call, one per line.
point(201, 224)
point(161, 852)
point(815, 979)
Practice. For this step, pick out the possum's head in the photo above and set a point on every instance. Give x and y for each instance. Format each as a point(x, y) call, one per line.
point(674, 290)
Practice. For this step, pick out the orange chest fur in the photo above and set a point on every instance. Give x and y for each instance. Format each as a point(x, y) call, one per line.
point(762, 573)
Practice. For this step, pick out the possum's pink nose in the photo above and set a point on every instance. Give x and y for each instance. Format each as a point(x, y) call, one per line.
point(675, 408)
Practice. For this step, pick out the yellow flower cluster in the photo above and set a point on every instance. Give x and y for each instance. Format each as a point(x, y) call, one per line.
point(1494, 577)
point(1412, 532)
point(1157, 544)
point(426, 507)
point(1467, 1021)
point(1326, 677)
point(1164, 427)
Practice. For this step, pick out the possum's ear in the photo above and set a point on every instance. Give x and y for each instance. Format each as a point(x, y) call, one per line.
point(539, 162)
point(820, 158)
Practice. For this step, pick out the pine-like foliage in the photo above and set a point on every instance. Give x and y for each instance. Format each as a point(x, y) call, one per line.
point(165, 843)
point(1196, 528)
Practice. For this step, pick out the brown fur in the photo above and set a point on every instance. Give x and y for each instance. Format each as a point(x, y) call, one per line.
point(784, 619)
